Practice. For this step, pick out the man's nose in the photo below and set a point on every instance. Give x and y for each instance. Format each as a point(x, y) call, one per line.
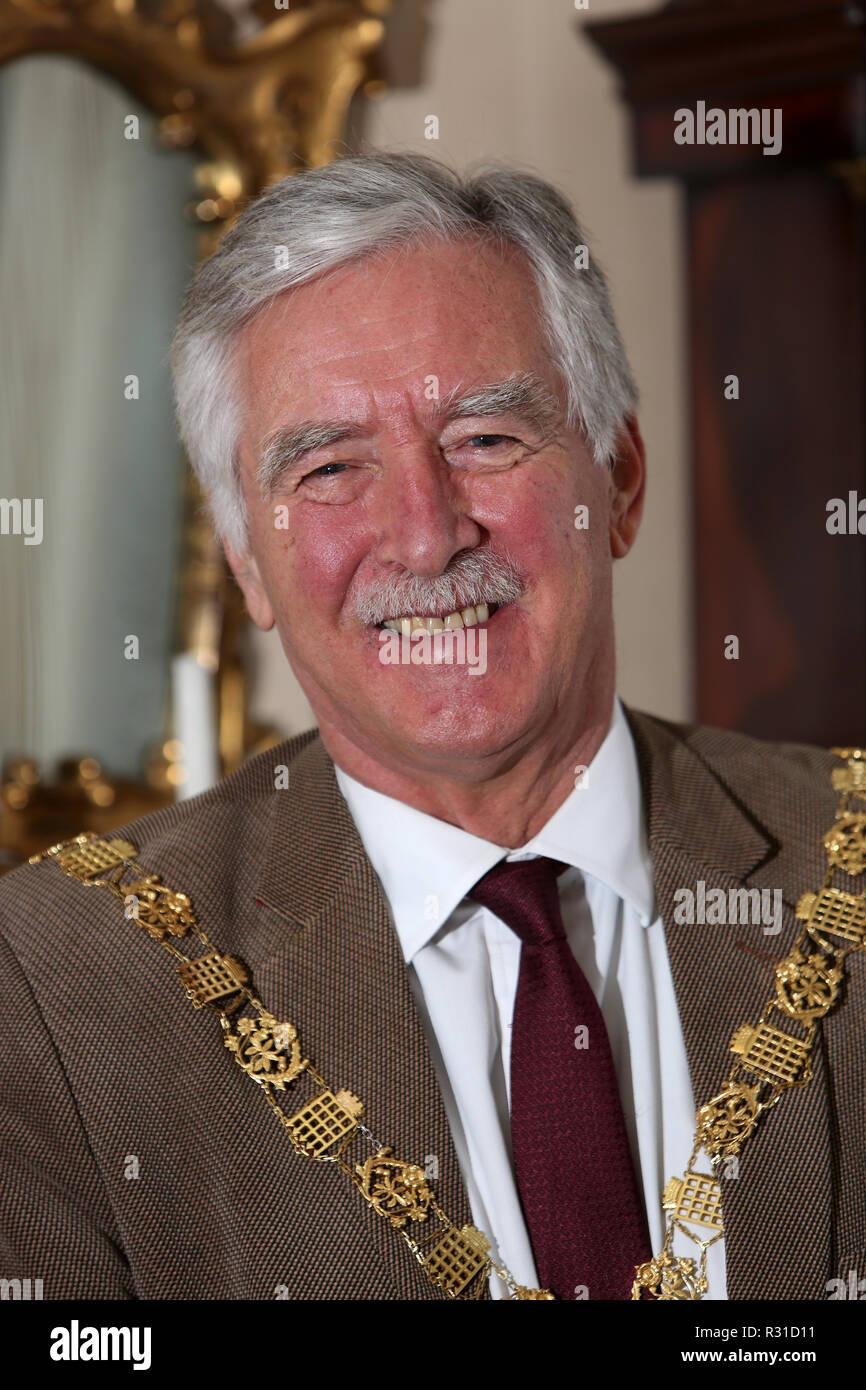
point(421, 517)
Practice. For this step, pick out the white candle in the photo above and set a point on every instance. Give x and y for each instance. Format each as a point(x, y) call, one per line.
point(195, 724)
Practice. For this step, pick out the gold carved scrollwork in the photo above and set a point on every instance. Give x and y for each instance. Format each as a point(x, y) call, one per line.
point(258, 107)
point(807, 986)
point(268, 1051)
point(394, 1188)
point(727, 1120)
point(158, 909)
point(669, 1278)
point(845, 843)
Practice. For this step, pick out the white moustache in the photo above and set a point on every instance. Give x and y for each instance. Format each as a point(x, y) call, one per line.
point(475, 577)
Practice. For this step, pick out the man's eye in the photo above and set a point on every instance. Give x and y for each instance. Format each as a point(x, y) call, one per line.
point(502, 451)
point(488, 441)
point(327, 470)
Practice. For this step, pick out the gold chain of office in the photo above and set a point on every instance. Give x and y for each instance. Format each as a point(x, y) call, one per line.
point(772, 1056)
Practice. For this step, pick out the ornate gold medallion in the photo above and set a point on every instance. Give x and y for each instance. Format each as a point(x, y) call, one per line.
point(696, 1198)
point(845, 843)
point(457, 1258)
point(726, 1121)
point(668, 1278)
point(328, 1120)
point(834, 913)
point(212, 977)
point(807, 986)
point(87, 857)
point(268, 1051)
point(394, 1188)
point(772, 1053)
point(158, 909)
point(853, 777)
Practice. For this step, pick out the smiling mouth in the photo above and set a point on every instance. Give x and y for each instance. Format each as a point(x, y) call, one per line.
point(464, 617)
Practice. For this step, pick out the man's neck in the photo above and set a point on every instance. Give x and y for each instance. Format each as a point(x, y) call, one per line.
point(506, 805)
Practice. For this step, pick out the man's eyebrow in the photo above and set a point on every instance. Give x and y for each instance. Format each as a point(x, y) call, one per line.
point(525, 396)
point(290, 444)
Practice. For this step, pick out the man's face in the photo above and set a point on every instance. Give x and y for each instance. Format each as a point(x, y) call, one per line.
point(402, 482)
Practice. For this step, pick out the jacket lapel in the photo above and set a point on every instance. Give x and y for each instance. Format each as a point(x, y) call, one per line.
point(340, 976)
point(778, 1208)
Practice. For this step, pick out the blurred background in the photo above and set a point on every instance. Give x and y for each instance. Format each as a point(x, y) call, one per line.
point(131, 135)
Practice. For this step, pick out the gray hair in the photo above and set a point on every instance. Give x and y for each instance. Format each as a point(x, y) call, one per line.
point(363, 205)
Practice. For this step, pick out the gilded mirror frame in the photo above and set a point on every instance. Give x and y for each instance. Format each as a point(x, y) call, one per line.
point(257, 108)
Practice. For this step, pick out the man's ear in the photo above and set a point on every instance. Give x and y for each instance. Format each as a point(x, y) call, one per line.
point(246, 572)
point(628, 488)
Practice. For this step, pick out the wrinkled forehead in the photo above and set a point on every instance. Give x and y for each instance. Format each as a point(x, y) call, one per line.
point(423, 320)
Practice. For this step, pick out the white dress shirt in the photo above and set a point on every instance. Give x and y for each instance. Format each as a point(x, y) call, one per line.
point(464, 962)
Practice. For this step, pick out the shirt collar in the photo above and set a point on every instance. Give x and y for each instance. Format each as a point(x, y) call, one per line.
point(427, 866)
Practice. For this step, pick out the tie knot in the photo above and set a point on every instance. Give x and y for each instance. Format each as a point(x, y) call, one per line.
point(524, 895)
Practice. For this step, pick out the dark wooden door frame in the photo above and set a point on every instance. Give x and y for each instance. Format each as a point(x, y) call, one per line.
point(776, 297)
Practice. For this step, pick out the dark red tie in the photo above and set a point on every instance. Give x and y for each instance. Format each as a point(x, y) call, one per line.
point(577, 1183)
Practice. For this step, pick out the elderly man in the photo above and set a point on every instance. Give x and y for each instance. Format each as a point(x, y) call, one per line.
point(493, 959)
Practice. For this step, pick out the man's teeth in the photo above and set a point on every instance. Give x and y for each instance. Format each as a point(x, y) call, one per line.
point(467, 617)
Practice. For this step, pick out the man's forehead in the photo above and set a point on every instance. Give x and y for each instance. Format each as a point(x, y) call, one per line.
point(417, 293)
point(427, 328)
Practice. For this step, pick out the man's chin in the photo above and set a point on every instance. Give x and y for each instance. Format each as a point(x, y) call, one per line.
point(465, 726)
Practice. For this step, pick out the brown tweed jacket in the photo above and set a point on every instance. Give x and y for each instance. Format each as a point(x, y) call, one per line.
point(102, 1059)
